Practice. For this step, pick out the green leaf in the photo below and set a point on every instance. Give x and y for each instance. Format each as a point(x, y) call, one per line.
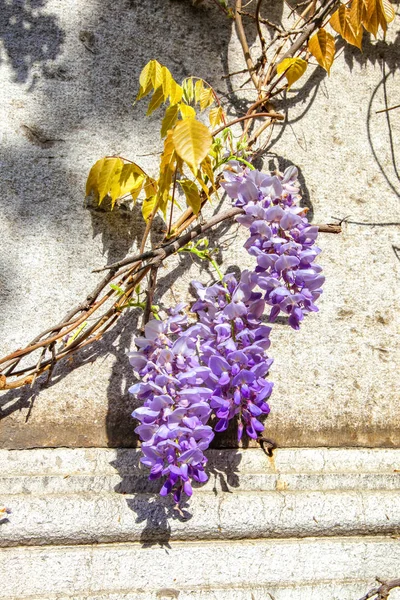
point(293, 68)
point(192, 194)
point(192, 141)
point(168, 122)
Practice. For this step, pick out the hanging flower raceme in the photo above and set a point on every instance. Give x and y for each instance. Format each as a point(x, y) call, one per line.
point(281, 239)
point(217, 367)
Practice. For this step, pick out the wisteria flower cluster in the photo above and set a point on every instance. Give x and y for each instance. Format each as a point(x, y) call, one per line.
point(194, 378)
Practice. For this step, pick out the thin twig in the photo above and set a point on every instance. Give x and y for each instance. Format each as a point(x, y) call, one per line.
point(382, 592)
point(244, 43)
point(150, 295)
point(271, 115)
point(387, 109)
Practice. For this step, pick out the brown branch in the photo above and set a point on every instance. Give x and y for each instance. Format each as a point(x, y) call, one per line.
point(271, 115)
point(382, 592)
point(245, 46)
point(260, 33)
point(150, 295)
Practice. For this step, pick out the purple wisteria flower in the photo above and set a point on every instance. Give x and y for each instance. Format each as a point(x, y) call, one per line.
point(216, 368)
point(281, 239)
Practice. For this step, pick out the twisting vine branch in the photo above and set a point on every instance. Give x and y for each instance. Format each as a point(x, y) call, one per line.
point(115, 292)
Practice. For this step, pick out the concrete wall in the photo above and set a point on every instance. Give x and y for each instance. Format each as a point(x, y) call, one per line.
point(68, 75)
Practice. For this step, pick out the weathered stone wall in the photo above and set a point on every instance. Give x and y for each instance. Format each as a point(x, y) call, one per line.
point(69, 75)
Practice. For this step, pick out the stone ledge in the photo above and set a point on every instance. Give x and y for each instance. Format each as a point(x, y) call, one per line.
point(334, 569)
point(65, 496)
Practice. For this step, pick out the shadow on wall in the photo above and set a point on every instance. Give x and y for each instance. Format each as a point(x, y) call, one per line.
point(189, 41)
point(30, 37)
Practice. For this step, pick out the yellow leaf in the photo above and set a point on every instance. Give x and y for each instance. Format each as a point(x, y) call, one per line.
point(216, 115)
point(206, 167)
point(206, 98)
point(146, 80)
point(198, 88)
point(192, 194)
point(203, 185)
point(192, 141)
point(148, 207)
point(322, 47)
point(150, 187)
point(188, 90)
point(168, 122)
point(342, 24)
point(187, 111)
point(156, 100)
point(93, 177)
point(108, 176)
point(176, 93)
point(355, 15)
point(131, 180)
point(166, 79)
point(156, 75)
point(388, 10)
point(293, 68)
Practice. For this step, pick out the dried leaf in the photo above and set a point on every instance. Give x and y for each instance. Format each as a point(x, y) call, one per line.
point(192, 141)
point(322, 47)
point(192, 194)
point(293, 68)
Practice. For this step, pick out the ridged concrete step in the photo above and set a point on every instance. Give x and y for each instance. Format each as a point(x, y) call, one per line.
point(85, 496)
point(324, 569)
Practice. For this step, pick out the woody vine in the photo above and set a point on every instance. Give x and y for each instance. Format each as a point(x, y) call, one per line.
point(199, 368)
